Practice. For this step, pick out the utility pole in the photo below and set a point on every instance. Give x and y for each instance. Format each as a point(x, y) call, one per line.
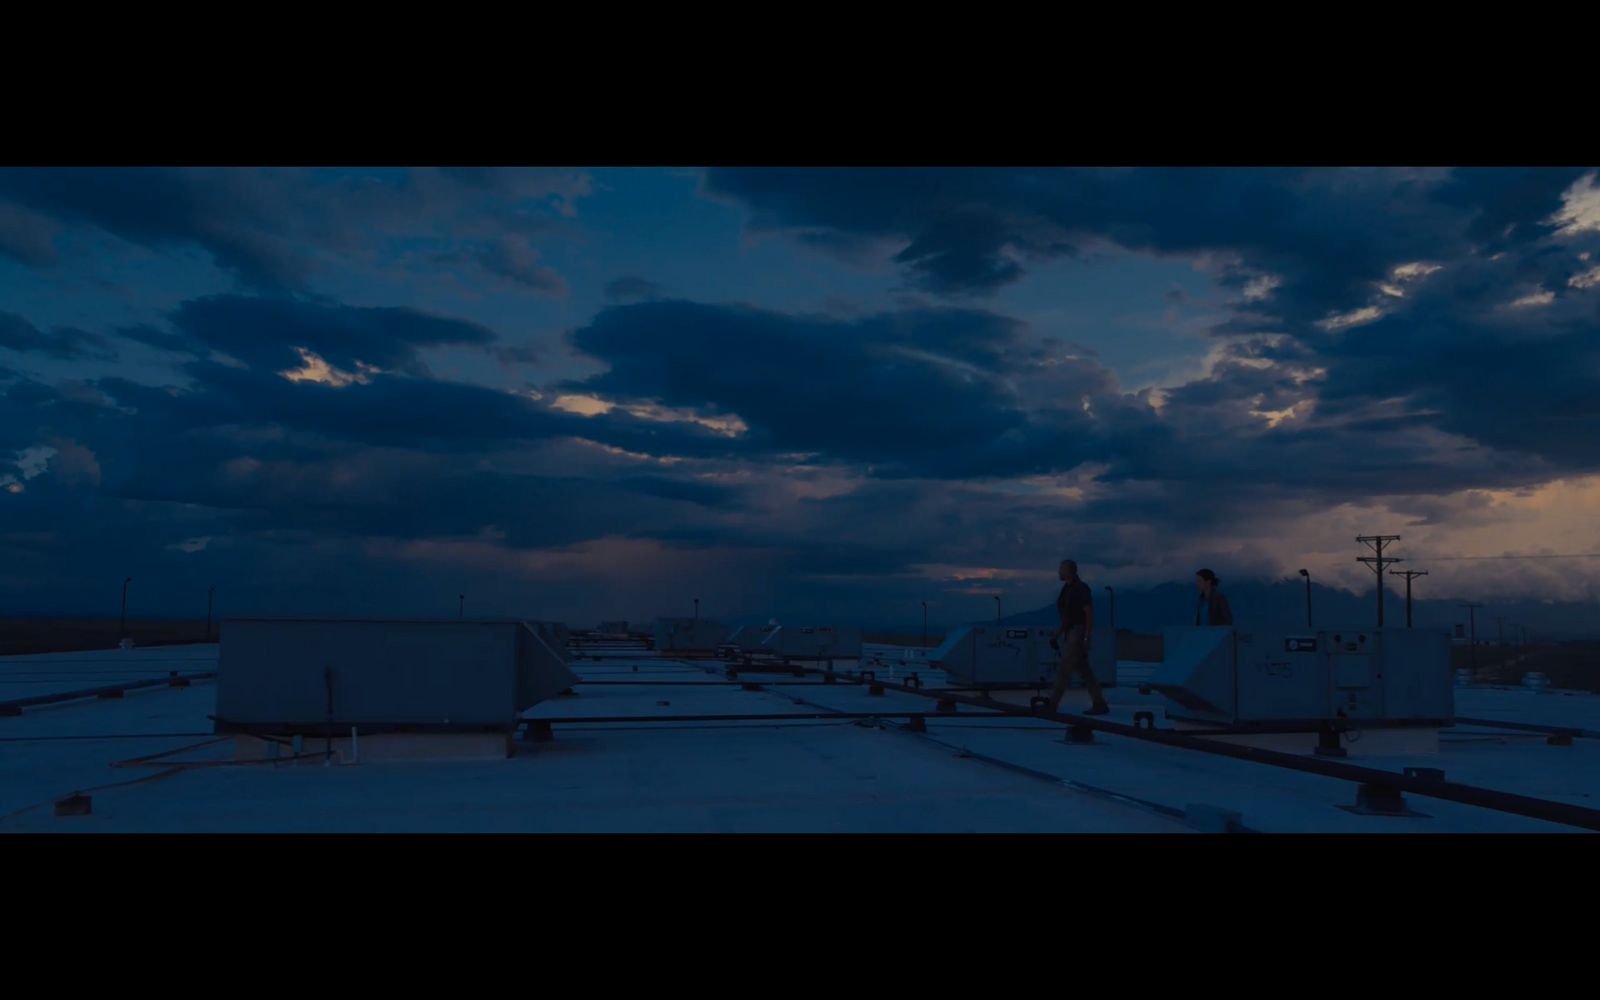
point(1409, 574)
point(1307, 575)
point(1377, 562)
point(1472, 634)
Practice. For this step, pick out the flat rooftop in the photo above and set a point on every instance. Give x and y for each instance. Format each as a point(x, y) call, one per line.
point(845, 760)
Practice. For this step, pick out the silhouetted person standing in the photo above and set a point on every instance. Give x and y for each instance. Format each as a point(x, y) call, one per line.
point(1213, 606)
point(1075, 606)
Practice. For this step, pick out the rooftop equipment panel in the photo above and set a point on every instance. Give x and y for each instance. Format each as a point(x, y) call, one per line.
point(813, 642)
point(1003, 655)
point(689, 635)
point(422, 674)
point(1236, 676)
point(556, 635)
point(746, 638)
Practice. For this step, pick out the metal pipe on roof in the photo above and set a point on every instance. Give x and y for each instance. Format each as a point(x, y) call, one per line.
point(1530, 727)
point(15, 706)
point(753, 717)
point(1472, 795)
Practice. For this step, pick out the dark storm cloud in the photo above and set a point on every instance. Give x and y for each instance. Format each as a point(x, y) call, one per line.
point(922, 390)
point(266, 227)
point(394, 411)
point(64, 343)
point(1327, 234)
point(513, 258)
point(162, 340)
point(1506, 204)
point(387, 410)
point(1445, 388)
point(265, 332)
point(219, 211)
point(631, 287)
point(401, 495)
point(1503, 388)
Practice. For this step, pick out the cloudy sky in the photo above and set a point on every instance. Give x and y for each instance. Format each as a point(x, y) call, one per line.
point(800, 392)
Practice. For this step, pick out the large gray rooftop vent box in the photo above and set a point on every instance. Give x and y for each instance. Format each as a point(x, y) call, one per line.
point(689, 635)
point(556, 634)
point(746, 639)
point(1000, 656)
point(1197, 669)
point(1234, 676)
point(813, 642)
point(286, 675)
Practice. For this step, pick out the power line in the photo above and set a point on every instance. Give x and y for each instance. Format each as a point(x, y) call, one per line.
point(1541, 555)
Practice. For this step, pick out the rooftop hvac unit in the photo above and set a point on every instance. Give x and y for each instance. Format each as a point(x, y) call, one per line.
point(999, 656)
point(1234, 677)
point(689, 635)
point(302, 675)
point(813, 642)
point(745, 639)
point(556, 635)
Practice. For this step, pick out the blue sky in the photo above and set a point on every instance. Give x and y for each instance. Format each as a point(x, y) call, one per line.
point(824, 392)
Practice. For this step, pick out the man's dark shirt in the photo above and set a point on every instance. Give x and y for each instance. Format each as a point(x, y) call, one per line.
point(1074, 600)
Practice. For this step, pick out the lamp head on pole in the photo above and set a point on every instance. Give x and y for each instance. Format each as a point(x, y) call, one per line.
point(1305, 574)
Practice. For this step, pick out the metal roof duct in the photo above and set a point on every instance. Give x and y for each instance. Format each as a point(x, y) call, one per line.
point(1395, 676)
point(424, 675)
point(813, 642)
point(1008, 655)
point(689, 635)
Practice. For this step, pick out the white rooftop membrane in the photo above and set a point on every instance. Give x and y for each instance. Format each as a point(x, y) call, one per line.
point(1001, 774)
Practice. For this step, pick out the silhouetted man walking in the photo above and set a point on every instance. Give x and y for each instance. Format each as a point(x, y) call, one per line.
point(1075, 605)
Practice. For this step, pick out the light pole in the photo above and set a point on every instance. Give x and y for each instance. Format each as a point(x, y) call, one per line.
point(1113, 592)
point(211, 592)
point(1308, 597)
point(122, 623)
point(996, 609)
point(1472, 634)
point(924, 624)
